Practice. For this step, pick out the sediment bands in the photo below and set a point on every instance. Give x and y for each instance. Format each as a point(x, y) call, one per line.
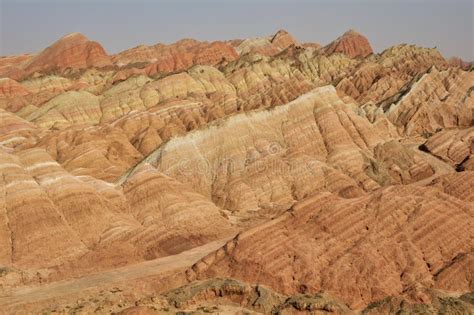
point(255, 175)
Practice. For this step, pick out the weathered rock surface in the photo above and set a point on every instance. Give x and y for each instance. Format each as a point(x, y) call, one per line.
point(16, 131)
point(396, 241)
point(82, 221)
point(456, 147)
point(230, 296)
point(262, 161)
point(439, 99)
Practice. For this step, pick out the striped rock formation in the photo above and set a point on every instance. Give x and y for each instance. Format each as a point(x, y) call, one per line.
point(340, 169)
point(456, 147)
point(261, 161)
point(178, 56)
point(267, 46)
point(81, 222)
point(351, 43)
point(438, 100)
point(73, 51)
point(11, 66)
point(398, 241)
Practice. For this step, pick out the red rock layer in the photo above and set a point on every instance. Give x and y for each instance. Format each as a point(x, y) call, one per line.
point(178, 56)
point(73, 51)
point(351, 43)
point(395, 241)
point(10, 88)
point(11, 66)
point(282, 40)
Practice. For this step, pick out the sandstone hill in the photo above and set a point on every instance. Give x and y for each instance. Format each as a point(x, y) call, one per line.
point(351, 43)
point(251, 175)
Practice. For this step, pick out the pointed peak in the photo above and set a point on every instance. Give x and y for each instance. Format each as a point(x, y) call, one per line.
point(283, 38)
point(281, 32)
point(352, 32)
point(74, 37)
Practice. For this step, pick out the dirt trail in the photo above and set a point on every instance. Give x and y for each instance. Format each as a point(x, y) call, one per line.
point(28, 294)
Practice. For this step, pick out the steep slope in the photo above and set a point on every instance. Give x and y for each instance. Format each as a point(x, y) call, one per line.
point(384, 78)
point(12, 94)
point(439, 99)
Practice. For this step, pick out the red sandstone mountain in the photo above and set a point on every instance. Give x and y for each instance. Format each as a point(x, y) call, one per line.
point(351, 43)
point(178, 56)
point(282, 39)
point(320, 179)
point(73, 51)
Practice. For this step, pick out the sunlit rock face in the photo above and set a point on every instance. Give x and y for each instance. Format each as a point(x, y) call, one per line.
point(324, 177)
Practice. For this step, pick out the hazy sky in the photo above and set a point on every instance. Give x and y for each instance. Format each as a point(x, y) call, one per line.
point(29, 25)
